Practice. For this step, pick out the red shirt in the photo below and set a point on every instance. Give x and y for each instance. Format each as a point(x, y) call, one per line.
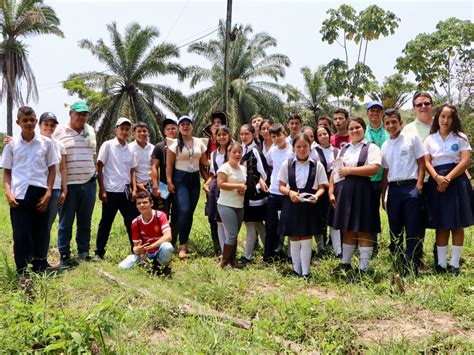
point(339, 141)
point(150, 232)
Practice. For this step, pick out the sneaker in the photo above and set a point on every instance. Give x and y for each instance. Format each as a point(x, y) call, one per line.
point(66, 262)
point(84, 257)
point(440, 270)
point(40, 265)
point(454, 270)
point(243, 260)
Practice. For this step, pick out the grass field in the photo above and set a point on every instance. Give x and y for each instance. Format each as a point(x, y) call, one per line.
point(96, 307)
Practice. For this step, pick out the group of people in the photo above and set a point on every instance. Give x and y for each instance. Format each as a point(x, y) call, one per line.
point(325, 183)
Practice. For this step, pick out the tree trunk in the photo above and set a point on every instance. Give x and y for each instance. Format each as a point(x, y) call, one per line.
point(10, 89)
point(9, 112)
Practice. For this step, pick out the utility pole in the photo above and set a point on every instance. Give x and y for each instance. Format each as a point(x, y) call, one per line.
point(228, 28)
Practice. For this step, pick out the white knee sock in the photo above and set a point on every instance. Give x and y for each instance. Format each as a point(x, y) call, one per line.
point(221, 234)
point(319, 242)
point(336, 240)
point(455, 255)
point(347, 252)
point(261, 231)
point(442, 256)
point(295, 255)
point(305, 255)
point(365, 255)
point(250, 240)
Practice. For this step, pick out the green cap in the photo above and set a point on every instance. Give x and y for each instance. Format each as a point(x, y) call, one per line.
point(80, 106)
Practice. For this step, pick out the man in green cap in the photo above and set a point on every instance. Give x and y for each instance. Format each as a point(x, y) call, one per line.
point(79, 140)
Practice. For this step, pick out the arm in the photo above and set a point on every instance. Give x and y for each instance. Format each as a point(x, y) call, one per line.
point(100, 180)
point(155, 177)
point(43, 203)
point(170, 157)
point(442, 181)
point(293, 195)
point(203, 164)
point(229, 186)
point(384, 187)
point(166, 237)
point(206, 184)
point(63, 172)
point(421, 173)
point(365, 170)
point(461, 167)
point(320, 191)
point(7, 179)
point(332, 197)
point(133, 178)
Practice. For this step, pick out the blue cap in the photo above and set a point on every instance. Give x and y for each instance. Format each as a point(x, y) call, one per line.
point(185, 118)
point(374, 103)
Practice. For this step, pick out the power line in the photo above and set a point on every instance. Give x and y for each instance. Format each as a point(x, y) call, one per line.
point(176, 21)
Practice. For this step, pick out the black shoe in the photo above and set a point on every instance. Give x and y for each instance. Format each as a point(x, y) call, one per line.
point(40, 265)
point(338, 256)
point(243, 260)
point(440, 270)
point(66, 262)
point(84, 257)
point(342, 269)
point(454, 270)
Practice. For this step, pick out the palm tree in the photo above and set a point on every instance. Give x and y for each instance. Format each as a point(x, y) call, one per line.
point(132, 61)
point(20, 19)
point(316, 94)
point(394, 92)
point(249, 65)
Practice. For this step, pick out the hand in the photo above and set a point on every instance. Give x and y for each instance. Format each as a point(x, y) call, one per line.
point(148, 246)
point(62, 198)
point(263, 186)
point(294, 196)
point(332, 200)
point(43, 203)
point(206, 187)
point(7, 139)
point(139, 249)
point(442, 181)
point(134, 194)
point(141, 187)
point(419, 186)
point(344, 171)
point(156, 193)
point(440, 189)
point(103, 195)
point(171, 188)
point(12, 202)
point(241, 189)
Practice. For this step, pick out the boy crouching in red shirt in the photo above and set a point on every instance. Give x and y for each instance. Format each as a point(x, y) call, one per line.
point(151, 235)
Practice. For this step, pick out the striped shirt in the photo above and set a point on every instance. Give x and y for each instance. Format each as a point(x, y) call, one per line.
point(80, 150)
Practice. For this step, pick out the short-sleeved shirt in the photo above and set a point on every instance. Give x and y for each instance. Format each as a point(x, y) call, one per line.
point(231, 198)
point(339, 141)
point(160, 153)
point(80, 151)
point(422, 130)
point(351, 155)
point(399, 156)
point(275, 158)
point(142, 158)
point(328, 155)
point(151, 231)
point(29, 162)
point(302, 173)
point(118, 161)
point(60, 152)
point(377, 136)
point(219, 158)
point(188, 157)
point(446, 151)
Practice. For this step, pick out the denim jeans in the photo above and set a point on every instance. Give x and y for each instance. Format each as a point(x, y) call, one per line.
point(79, 203)
point(163, 255)
point(187, 187)
point(52, 210)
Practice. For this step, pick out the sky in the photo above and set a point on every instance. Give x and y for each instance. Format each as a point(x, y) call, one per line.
point(294, 24)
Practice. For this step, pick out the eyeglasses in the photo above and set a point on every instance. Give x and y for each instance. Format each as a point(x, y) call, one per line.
point(426, 104)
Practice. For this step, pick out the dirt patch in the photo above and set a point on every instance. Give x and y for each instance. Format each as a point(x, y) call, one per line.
point(160, 336)
point(325, 294)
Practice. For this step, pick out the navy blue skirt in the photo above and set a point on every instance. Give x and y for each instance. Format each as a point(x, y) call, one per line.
point(254, 213)
point(451, 209)
point(356, 206)
point(331, 210)
point(299, 219)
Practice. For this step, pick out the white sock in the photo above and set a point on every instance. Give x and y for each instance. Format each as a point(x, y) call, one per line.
point(347, 251)
point(442, 256)
point(305, 255)
point(319, 242)
point(221, 234)
point(336, 240)
point(261, 231)
point(250, 240)
point(455, 255)
point(289, 248)
point(365, 255)
point(295, 255)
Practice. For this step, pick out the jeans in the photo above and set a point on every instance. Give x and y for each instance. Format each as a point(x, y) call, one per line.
point(79, 203)
point(187, 187)
point(116, 201)
point(30, 238)
point(272, 239)
point(377, 186)
point(232, 219)
point(163, 256)
point(52, 210)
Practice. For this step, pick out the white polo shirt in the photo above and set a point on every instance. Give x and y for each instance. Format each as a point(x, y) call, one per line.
point(422, 130)
point(302, 173)
point(275, 158)
point(142, 158)
point(399, 156)
point(448, 150)
point(351, 156)
point(29, 162)
point(118, 161)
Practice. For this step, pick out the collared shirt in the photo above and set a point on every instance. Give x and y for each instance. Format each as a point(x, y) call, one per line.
point(422, 130)
point(142, 162)
point(61, 154)
point(448, 150)
point(220, 159)
point(118, 161)
point(254, 148)
point(275, 158)
point(29, 162)
point(351, 156)
point(328, 155)
point(399, 156)
point(377, 136)
point(302, 173)
point(80, 151)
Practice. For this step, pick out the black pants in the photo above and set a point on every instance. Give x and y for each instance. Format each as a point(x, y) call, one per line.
point(272, 239)
point(377, 186)
point(30, 229)
point(116, 201)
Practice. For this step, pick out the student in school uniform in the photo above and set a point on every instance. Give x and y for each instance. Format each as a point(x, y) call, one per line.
point(218, 157)
point(302, 181)
point(277, 154)
point(142, 150)
point(355, 201)
point(114, 164)
point(327, 154)
point(231, 180)
point(403, 160)
point(341, 137)
point(448, 196)
point(28, 163)
point(265, 138)
point(257, 191)
point(294, 126)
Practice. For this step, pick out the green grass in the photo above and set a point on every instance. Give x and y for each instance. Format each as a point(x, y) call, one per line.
point(80, 310)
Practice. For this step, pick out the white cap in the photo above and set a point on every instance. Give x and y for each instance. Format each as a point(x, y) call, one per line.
point(122, 120)
point(185, 118)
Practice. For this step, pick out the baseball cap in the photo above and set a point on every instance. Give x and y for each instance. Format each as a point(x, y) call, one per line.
point(122, 120)
point(80, 106)
point(185, 118)
point(374, 103)
point(48, 116)
point(168, 121)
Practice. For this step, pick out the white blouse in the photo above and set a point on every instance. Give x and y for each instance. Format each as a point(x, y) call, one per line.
point(448, 150)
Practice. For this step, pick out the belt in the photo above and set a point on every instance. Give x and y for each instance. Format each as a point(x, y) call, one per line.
point(403, 182)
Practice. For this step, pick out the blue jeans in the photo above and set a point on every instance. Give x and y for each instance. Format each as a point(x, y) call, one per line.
point(187, 187)
point(163, 256)
point(52, 210)
point(79, 203)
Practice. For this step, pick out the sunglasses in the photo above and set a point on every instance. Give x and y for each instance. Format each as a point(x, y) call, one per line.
point(426, 104)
